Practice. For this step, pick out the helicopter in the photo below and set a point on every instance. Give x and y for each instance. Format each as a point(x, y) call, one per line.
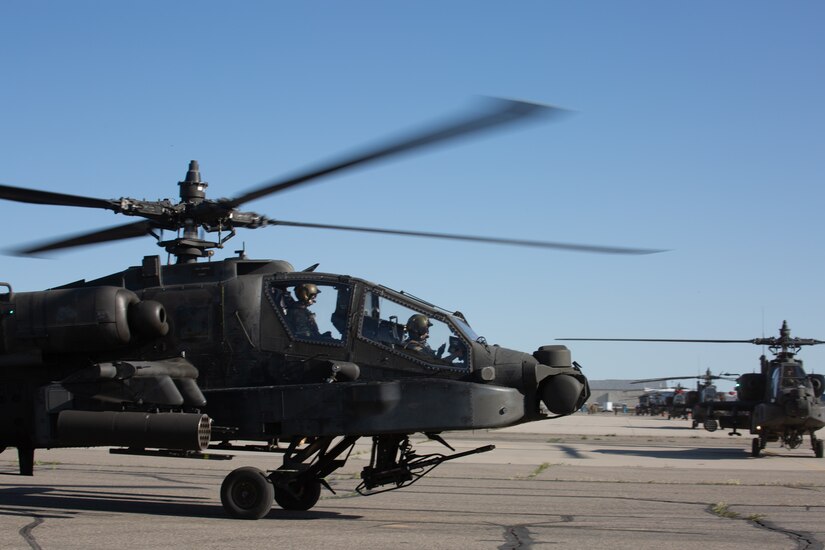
point(180, 358)
point(780, 402)
point(698, 402)
point(653, 401)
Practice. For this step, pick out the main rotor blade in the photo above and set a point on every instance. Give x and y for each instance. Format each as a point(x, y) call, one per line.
point(490, 240)
point(128, 231)
point(697, 377)
point(664, 379)
point(35, 196)
point(498, 112)
point(657, 340)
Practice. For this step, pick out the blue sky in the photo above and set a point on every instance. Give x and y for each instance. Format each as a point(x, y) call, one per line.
point(698, 128)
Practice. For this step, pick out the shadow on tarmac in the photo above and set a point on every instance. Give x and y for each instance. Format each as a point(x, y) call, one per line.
point(697, 453)
point(70, 500)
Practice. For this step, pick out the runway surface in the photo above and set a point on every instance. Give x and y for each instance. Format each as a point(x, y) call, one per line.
point(599, 481)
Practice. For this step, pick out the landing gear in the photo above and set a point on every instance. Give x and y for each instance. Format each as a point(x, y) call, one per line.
point(25, 458)
point(792, 440)
point(756, 447)
point(817, 445)
point(298, 495)
point(247, 493)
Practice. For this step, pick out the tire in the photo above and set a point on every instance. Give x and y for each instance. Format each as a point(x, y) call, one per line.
point(301, 497)
point(246, 493)
point(756, 447)
point(818, 447)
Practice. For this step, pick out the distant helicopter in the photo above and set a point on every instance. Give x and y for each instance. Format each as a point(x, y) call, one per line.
point(173, 357)
point(781, 402)
point(701, 403)
point(654, 401)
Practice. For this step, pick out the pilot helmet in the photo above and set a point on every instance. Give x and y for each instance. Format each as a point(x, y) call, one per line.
point(306, 292)
point(418, 325)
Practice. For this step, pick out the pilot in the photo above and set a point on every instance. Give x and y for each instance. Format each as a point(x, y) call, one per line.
point(418, 331)
point(789, 377)
point(301, 319)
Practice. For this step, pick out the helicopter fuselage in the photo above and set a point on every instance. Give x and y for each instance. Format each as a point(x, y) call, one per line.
point(791, 400)
point(137, 340)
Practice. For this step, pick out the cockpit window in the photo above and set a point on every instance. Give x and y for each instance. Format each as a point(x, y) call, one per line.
point(792, 373)
point(465, 327)
point(788, 376)
point(316, 312)
point(413, 333)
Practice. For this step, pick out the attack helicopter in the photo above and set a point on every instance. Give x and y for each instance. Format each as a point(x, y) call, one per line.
point(780, 402)
point(697, 402)
point(179, 357)
point(654, 401)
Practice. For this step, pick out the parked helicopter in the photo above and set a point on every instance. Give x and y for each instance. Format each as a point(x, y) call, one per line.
point(781, 401)
point(655, 401)
point(173, 356)
point(701, 403)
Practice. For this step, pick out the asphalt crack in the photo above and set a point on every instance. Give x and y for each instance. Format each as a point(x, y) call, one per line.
point(803, 540)
point(26, 533)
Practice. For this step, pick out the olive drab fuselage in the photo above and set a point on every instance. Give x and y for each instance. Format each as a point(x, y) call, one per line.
point(264, 378)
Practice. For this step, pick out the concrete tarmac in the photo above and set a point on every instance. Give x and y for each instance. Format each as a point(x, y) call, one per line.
point(584, 481)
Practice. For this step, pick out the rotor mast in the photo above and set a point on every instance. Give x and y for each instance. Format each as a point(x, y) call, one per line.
point(188, 246)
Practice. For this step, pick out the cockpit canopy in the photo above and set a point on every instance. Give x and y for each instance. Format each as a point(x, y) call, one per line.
point(788, 376)
point(411, 328)
point(314, 308)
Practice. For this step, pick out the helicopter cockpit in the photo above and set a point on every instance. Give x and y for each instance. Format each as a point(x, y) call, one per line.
point(317, 310)
point(709, 394)
point(312, 312)
point(788, 376)
point(434, 338)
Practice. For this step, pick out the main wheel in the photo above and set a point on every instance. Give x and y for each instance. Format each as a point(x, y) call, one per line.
point(300, 495)
point(818, 447)
point(246, 493)
point(756, 447)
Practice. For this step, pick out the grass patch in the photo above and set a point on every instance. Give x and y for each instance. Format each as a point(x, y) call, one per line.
point(539, 469)
point(722, 510)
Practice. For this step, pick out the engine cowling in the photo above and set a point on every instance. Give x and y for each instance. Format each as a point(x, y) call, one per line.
point(82, 319)
point(750, 387)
